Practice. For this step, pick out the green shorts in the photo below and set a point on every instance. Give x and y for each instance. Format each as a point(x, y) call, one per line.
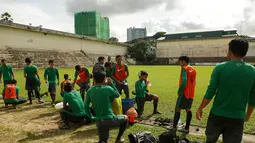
point(11, 101)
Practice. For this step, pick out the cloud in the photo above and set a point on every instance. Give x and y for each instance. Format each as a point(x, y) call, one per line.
point(115, 7)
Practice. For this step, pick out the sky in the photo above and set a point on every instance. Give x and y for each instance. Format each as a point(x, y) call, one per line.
point(171, 16)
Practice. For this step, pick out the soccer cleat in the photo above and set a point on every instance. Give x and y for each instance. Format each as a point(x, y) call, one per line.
point(65, 127)
point(157, 112)
point(183, 130)
point(120, 141)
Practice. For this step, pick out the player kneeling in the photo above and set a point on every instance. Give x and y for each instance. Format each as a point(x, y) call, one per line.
point(11, 95)
point(142, 94)
point(74, 112)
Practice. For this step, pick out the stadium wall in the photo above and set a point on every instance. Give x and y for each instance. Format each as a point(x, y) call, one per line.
point(29, 37)
point(198, 48)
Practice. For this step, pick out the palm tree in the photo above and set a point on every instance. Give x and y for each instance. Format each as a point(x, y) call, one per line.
point(6, 17)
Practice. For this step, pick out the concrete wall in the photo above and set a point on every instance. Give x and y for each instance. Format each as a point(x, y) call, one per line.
point(197, 48)
point(19, 38)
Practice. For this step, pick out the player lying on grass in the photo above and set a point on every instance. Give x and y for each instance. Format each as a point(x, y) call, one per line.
point(120, 74)
point(233, 85)
point(75, 111)
point(84, 79)
point(101, 96)
point(142, 94)
point(11, 95)
point(62, 86)
point(185, 93)
point(6, 71)
point(51, 77)
point(32, 80)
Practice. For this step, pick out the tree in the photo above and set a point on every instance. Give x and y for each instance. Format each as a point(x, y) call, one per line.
point(114, 39)
point(142, 51)
point(6, 17)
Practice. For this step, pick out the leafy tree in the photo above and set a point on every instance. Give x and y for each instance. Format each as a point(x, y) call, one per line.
point(142, 51)
point(6, 17)
point(114, 39)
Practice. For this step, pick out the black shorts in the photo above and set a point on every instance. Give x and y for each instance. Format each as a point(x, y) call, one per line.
point(231, 129)
point(183, 102)
point(52, 87)
point(31, 84)
point(149, 97)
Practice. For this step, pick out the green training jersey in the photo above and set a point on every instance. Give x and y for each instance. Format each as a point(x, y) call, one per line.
point(140, 89)
point(101, 97)
point(75, 103)
point(108, 73)
point(51, 74)
point(233, 85)
point(7, 72)
point(31, 71)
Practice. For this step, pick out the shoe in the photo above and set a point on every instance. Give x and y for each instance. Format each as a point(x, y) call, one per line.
point(120, 141)
point(157, 112)
point(65, 127)
point(40, 102)
point(183, 130)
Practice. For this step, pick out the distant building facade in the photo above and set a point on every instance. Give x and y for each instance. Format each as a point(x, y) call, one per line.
point(90, 23)
point(135, 33)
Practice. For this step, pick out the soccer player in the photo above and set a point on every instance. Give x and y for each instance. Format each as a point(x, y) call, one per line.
point(101, 96)
point(51, 76)
point(185, 93)
point(99, 66)
point(83, 81)
point(142, 94)
point(108, 69)
point(6, 71)
point(233, 85)
point(74, 112)
point(120, 74)
point(67, 80)
point(11, 95)
point(32, 80)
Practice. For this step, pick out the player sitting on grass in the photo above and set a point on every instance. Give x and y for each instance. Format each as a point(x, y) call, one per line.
point(142, 94)
point(233, 85)
point(32, 80)
point(83, 81)
point(101, 97)
point(74, 112)
point(51, 75)
point(185, 93)
point(11, 95)
point(62, 86)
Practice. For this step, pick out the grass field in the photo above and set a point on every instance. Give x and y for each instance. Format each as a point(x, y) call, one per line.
point(39, 123)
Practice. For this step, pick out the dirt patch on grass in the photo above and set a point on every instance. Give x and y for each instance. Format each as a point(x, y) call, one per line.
point(39, 123)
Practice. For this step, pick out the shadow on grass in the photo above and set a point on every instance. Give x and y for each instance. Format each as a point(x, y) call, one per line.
point(45, 115)
point(48, 134)
point(24, 107)
point(89, 133)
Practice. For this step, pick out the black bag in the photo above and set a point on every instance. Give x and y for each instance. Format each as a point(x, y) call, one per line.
point(168, 137)
point(144, 137)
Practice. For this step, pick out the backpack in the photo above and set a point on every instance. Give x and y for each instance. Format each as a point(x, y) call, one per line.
point(144, 137)
point(171, 137)
point(168, 137)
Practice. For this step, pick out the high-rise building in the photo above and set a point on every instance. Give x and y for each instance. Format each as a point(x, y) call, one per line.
point(90, 23)
point(135, 33)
